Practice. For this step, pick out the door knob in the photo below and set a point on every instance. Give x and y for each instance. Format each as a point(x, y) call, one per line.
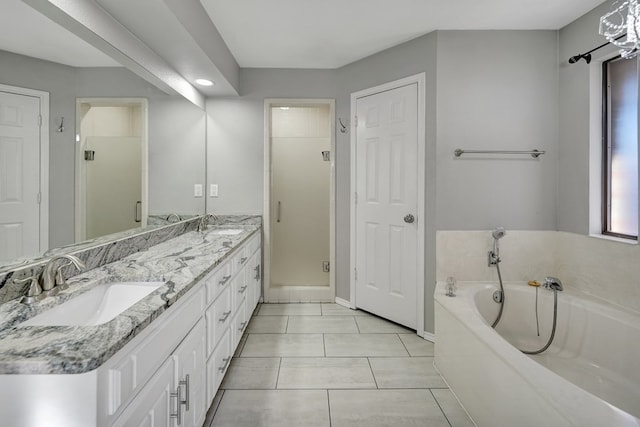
point(409, 218)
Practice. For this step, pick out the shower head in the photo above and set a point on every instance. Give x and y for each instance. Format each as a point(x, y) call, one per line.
point(576, 58)
point(498, 233)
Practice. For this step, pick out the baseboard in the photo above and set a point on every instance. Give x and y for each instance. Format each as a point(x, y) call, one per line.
point(343, 302)
point(429, 336)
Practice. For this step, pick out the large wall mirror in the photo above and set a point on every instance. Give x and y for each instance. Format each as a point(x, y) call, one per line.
point(101, 120)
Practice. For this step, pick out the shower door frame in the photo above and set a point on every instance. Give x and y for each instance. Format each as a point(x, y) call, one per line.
point(297, 293)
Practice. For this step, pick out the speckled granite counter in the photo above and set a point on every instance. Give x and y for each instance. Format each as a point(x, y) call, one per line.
point(182, 262)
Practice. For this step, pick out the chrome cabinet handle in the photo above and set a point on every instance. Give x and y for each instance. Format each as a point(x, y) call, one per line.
point(409, 218)
point(226, 361)
point(257, 270)
point(279, 211)
point(224, 280)
point(185, 383)
point(242, 289)
point(178, 414)
point(243, 260)
point(243, 325)
point(225, 316)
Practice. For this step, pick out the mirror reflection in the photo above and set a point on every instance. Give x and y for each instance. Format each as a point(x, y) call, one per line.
point(104, 132)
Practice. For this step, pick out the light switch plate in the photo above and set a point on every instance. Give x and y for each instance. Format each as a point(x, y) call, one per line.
point(213, 190)
point(197, 190)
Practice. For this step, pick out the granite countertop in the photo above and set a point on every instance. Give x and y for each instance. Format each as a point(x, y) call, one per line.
point(180, 262)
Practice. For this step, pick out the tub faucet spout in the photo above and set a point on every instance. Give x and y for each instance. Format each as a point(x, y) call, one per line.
point(552, 283)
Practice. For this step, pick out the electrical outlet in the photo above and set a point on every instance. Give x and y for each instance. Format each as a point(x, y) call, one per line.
point(213, 190)
point(197, 190)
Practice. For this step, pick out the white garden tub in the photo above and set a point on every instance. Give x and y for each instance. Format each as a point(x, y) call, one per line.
point(590, 376)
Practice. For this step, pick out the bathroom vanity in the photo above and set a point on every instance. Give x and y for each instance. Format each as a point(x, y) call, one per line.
point(159, 362)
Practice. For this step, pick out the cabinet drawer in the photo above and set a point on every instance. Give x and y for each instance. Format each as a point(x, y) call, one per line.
point(218, 280)
point(239, 287)
point(239, 324)
point(123, 375)
point(239, 259)
point(254, 244)
point(218, 364)
point(218, 317)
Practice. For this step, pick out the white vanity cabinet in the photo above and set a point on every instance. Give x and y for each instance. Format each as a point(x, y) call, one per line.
point(166, 376)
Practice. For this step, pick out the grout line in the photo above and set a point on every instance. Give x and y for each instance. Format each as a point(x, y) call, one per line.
point(278, 376)
point(441, 410)
point(373, 374)
point(286, 327)
point(357, 326)
point(324, 346)
point(405, 347)
point(329, 407)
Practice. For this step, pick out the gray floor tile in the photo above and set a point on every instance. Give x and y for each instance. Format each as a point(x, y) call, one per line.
point(376, 325)
point(268, 325)
point(383, 408)
point(416, 346)
point(405, 372)
point(281, 408)
point(325, 373)
point(283, 345)
point(322, 324)
point(338, 310)
point(451, 407)
point(363, 345)
point(243, 340)
point(290, 310)
point(248, 373)
point(208, 421)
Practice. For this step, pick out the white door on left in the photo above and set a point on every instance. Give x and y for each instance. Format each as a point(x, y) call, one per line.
point(19, 176)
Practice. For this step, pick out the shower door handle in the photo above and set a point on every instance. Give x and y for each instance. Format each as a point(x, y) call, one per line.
point(278, 211)
point(137, 207)
point(409, 219)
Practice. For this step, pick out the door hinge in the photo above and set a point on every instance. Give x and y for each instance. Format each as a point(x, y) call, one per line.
point(325, 267)
point(39, 198)
point(355, 197)
point(355, 121)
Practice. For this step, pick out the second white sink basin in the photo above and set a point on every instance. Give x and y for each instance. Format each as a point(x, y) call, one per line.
point(96, 306)
point(229, 231)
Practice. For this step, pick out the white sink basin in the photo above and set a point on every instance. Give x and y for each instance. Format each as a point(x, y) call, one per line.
point(229, 231)
point(96, 306)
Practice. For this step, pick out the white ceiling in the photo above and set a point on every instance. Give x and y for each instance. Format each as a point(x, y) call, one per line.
point(279, 33)
point(333, 33)
point(25, 31)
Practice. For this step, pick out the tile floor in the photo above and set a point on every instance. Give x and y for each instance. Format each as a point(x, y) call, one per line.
point(328, 366)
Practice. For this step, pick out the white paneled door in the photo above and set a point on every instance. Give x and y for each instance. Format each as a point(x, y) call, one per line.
point(19, 175)
point(387, 204)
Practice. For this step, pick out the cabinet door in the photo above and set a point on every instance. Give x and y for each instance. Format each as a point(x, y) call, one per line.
point(190, 363)
point(218, 364)
point(153, 405)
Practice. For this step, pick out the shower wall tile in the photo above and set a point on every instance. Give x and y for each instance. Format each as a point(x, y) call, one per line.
point(603, 268)
point(526, 255)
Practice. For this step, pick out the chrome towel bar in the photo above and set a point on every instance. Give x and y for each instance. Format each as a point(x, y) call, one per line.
point(533, 153)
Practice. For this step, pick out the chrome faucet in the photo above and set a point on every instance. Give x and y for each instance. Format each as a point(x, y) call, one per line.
point(552, 283)
point(173, 215)
point(52, 279)
point(204, 221)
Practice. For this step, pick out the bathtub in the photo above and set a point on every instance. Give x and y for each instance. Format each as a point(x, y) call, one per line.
point(590, 376)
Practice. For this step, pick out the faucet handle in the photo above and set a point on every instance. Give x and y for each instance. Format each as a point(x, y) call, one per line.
point(34, 291)
point(60, 281)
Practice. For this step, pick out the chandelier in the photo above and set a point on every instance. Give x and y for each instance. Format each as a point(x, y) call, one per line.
point(621, 27)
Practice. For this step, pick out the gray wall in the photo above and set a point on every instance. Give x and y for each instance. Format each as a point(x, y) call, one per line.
point(485, 90)
point(574, 97)
point(171, 119)
point(235, 133)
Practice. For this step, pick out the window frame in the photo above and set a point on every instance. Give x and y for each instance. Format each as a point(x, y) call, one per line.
point(606, 156)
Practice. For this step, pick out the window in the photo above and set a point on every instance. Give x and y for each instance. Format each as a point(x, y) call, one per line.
point(620, 148)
